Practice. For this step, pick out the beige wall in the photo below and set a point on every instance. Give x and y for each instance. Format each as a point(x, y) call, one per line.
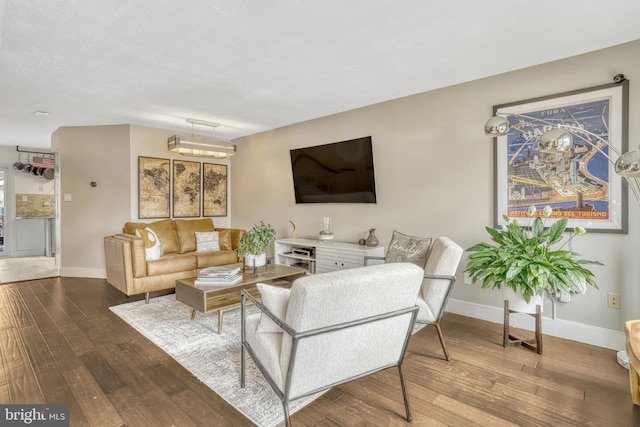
point(152, 142)
point(109, 156)
point(434, 176)
point(91, 153)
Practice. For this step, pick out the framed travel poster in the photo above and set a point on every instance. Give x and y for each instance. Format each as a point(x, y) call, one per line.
point(580, 184)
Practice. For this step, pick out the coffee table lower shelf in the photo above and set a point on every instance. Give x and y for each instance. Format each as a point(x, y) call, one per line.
point(253, 291)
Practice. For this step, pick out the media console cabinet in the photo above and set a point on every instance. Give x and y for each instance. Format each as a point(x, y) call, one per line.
point(321, 257)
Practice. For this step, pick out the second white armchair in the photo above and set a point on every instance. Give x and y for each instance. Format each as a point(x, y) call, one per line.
point(439, 278)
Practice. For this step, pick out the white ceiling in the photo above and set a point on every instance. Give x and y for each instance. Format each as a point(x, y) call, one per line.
point(255, 65)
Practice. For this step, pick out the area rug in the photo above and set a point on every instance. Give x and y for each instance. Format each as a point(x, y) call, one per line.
point(214, 359)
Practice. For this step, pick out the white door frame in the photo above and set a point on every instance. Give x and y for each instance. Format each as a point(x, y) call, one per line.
point(8, 213)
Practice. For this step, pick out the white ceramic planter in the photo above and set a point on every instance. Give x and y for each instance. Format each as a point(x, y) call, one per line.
point(255, 260)
point(517, 302)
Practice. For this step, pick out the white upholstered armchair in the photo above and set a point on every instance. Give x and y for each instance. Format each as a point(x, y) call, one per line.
point(439, 278)
point(338, 327)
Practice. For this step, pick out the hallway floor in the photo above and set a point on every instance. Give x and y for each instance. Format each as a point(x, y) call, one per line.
point(27, 268)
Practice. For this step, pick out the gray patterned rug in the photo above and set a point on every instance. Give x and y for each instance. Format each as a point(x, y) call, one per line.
point(214, 359)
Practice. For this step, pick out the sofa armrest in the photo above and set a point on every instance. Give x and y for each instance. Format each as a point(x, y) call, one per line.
point(118, 263)
point(137, 257)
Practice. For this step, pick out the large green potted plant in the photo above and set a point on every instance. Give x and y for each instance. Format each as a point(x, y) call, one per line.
point(253, 244)
point(525, 261)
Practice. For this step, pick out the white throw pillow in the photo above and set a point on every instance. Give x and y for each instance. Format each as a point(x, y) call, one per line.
point(152, 246)
point(207, 241)
point(276, 299)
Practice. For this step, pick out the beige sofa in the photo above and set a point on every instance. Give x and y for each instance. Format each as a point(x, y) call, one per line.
point(129, 271)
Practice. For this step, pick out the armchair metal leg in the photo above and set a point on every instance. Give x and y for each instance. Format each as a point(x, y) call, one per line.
point(405, 395)
point(146, 297)
point(442, 343)
point(242, 366)
point(242, 337)
point(287, 419)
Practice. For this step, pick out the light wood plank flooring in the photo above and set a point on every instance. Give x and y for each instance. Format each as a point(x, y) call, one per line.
point(59, 343)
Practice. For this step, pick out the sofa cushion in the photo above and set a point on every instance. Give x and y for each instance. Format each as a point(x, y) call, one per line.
point(152, 245)
point(207, 241)
point(224, 237)
point(185, 230)
point(163, 229)
point(209, 259)
point(171, 263)
point(404, 248)
point(236, 235)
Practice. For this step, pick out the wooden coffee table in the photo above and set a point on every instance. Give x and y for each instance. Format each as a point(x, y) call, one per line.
point(210, 299)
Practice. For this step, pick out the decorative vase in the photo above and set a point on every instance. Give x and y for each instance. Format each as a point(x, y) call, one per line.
point(517, 302)
point(326, 234)
point(372, 240)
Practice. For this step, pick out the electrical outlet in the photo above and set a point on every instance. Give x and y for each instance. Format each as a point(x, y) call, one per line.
point(613, 300)
point(565, 296)
point(467, 279)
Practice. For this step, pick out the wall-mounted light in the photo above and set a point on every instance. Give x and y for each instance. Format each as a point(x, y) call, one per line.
point(201, 146)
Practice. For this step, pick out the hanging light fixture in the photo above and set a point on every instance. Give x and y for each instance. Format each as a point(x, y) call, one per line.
point(201, 146)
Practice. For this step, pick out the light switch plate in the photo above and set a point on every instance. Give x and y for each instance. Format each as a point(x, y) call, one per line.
point(67, 197)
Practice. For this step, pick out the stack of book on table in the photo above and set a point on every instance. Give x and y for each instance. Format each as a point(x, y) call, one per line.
point(218, 276)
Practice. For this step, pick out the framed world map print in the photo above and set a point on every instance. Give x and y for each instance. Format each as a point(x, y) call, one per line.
point(214, 190)
point(186, 189)
point(153, 187)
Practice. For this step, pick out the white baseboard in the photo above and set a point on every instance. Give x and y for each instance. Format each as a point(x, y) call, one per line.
point(93, 273)
point(580, 332)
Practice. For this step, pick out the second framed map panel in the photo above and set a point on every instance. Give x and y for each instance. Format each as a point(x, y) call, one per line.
point(186, 189)
point(214, 190)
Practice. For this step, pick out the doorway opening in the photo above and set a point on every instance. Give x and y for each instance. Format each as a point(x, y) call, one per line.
point(2, 210)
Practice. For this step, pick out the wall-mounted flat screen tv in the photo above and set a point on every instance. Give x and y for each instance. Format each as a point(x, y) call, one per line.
point(341, 172)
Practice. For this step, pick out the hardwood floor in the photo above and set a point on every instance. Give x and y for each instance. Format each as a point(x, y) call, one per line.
point(59, 343)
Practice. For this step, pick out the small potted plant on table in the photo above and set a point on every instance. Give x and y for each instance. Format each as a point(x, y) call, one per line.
point(253, 245)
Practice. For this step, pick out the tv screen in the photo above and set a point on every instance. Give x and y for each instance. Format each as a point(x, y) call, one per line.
point(341, 172)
